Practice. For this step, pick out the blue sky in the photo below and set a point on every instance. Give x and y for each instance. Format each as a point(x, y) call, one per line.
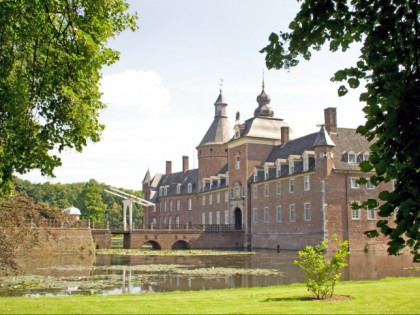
point(160, 94)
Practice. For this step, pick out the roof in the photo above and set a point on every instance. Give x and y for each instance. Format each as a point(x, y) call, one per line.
point(264, 127)
point(323, 139)
point(72, 210)
point(180, 178)
point(220, 132)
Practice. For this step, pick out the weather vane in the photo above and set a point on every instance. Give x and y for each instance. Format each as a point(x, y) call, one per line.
point(220, 84)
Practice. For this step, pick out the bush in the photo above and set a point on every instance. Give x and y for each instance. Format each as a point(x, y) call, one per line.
point(322, 274)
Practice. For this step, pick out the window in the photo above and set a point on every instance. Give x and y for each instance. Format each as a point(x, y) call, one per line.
point(355, 214)
point(266, 190)
point(255, 191)
point(255, 175)
point(226, 216)
point(170, 220)
point(204, 201)
point(218, 197)
point(352, 157)
point(226, 196)
point(278, 188)
point(307, 207)
point(292, 213)
point(278, 170)
point(178, 205)
point(177, 220)
point(164, 220)
point(291, 167)
point(189, 188)
point(305, 164)
point(237, 190)
point(266, 173)
point(266, 215)
point(278, 214)
point(255, 215)
point(161, 190)
point(306, 183)
point(190, 204)
point(203, 218)
point(178, 189)
point(210, 199)
point(371, 214)
point(365, 156)
point(170, 205)
point(165, 190)
point(369, 185)
point(164, 208)
point(210, 217)
point(237, 161)
point(353, 183)
point(291, 185)
point(217, 217)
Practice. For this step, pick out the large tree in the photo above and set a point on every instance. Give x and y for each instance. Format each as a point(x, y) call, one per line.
point(388, 31)
point(51, 55)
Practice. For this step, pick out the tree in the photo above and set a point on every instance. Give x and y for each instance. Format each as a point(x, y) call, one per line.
point(18, 217)
point(90, 201)
point(389, 67)
point(51, 55)
point(323, 274)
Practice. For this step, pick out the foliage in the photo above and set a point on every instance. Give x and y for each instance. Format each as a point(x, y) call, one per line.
point(389, 65)
point(322, 273)
point(106, 208)
point(18, 217)
point(51, 55)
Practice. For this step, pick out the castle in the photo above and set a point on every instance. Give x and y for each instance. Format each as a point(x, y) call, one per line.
point(282, 192)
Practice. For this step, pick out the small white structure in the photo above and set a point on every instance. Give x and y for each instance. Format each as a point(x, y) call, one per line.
point(74, 212)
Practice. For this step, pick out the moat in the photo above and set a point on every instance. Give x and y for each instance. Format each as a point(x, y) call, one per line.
point(118, 274)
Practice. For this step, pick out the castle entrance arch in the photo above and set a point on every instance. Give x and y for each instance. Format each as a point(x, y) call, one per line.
point(238, 218)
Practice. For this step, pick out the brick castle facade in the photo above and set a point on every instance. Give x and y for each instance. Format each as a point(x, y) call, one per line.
point(282, 192)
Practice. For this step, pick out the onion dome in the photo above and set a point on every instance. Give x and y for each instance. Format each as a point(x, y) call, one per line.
point(264, 109)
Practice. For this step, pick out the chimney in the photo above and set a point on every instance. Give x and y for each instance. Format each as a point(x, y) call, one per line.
point(168, 167)
point(330, 115)
point(185, 163)
point(284, 134)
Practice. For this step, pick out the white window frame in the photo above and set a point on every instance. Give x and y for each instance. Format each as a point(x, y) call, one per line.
point(218, 197)
point(279, 214)
point(210, 217)
point(226, 216)
point(203, 200)
point(189, 188)
point(178, 189)
point(305, 163)
point(210, 199)
point(278, 170)
point(291, 185)
point(371, 214)
point(189, 204)
point(255, 192)
point(171, 205)
point(255, 215)
point(203, 218)
point(266, 173)
point(369, 184)
point(218, 217)
point(237, 161)
point(292, 213)
point(278, 188)
point(353, 158)
point(306, 183)
point(266, 190)
point(266, 214)
point(178, 204)
point(291, 167)
point(307, 211)
point(255, 175)
point(353, 183)
point(355, 214)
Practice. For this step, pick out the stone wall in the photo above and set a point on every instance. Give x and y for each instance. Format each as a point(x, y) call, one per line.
point(102, 238)
point(65, 241)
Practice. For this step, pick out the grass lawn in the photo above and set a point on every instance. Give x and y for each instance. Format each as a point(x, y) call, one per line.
point(386, 296)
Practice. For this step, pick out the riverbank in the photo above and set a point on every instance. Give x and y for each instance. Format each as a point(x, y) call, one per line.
point(386, 296)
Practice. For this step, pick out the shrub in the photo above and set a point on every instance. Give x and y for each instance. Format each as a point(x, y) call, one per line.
point(322, 274)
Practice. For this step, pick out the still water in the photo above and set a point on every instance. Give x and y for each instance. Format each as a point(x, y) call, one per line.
point(116, 274)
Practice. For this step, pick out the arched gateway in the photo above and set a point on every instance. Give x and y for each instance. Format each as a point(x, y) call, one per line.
point(238, 219)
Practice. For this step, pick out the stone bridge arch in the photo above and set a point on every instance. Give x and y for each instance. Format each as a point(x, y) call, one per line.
point(155, 245)
point(180, 244)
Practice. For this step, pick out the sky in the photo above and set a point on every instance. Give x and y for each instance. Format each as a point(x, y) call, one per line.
point(160, 94)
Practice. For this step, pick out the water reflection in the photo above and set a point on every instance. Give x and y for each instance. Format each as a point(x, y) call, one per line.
point(112, 274)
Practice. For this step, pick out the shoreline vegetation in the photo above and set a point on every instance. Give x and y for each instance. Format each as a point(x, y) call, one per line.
point(385, 296)
point(183, 252)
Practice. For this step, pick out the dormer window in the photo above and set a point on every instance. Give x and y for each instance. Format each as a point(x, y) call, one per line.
point(278, 170)
point(189, 188)
point(351, 157)
point(255, 175)
point(305, 163)
point(178, 189)
point(365, 156)
point(291, 166)
point(165, 190)
point(266, 172)
point(161, 191)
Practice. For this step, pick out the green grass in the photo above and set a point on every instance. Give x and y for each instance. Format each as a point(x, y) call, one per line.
point(387, 296)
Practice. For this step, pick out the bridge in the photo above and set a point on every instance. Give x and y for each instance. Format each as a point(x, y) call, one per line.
point(202, 236)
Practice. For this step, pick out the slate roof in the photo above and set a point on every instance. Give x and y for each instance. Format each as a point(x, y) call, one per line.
point(183, 178)
point(264, 127)
point(295, 147)
point(219, 132)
